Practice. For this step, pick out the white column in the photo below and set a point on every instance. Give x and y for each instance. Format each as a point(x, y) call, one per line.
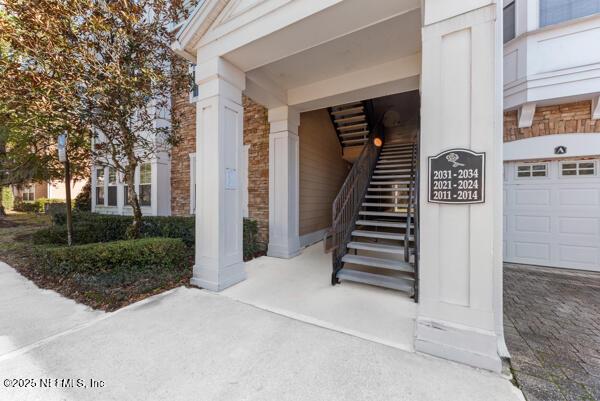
point(219, 148)
point(460, 308)
point(284, 179)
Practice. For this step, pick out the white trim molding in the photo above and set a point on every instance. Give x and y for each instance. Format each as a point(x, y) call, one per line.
point(526, 113)
point(543, 147)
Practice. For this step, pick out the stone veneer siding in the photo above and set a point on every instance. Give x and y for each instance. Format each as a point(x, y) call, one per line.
point(256, 134)
point(569, 118)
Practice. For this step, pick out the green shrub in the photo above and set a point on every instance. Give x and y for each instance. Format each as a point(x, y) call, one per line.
point(83, 200)
point(36, 206)
point(117, 270)
point(92, 227)
point(252, 246)
point(7, 198)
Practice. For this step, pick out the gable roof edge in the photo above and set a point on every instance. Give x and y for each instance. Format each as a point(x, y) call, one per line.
point(196, 25)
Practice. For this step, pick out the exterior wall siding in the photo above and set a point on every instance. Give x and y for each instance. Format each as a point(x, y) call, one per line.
point(322, 170)
point(569, 118)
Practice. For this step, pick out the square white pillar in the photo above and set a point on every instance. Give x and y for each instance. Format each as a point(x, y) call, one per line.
point(284, 183)
point(219, 152)
point(460, 270)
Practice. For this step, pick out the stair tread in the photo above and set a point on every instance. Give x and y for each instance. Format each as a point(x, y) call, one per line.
point(380, 223)
point(389, 189)
point(361, 140)
point(378, 196)
point(360, 117)
point(349, 110)
point(380, 234)
point(395, 205)
point(398, 265)
point(351, 134)
point(376, 247)
point(383, 214)
point(392, 182)
point(394, 283)
point(351, 127)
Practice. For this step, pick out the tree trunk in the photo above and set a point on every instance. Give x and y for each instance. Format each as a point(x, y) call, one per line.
point(134, 230)
point(2, 211)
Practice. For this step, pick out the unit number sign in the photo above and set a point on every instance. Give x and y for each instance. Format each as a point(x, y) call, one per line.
point(457, 176)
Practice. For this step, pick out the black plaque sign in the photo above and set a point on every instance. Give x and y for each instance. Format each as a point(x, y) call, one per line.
point(457, 176)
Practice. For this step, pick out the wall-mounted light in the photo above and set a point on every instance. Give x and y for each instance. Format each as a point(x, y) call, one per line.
point(377, 142)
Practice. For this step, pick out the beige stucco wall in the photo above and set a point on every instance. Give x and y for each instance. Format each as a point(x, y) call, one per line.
point(322, 170)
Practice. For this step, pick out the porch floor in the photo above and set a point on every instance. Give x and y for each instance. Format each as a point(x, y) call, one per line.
point(300, 288)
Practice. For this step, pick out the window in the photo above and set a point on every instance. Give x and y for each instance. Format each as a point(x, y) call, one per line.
point(532, 170)
point(555, 11)
point(146, 184)
point(112, 186)
point(509, 22)
point(581, 168)
point(29, 193)
point(100, 186)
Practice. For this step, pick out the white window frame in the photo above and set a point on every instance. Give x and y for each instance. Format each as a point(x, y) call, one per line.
point(96, 186)
point(30, 191)
point(530, 165)
point(110, 184)
point(140, 183)
point(578, 168)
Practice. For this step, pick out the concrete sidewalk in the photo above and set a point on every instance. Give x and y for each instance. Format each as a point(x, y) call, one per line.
point(190, 344)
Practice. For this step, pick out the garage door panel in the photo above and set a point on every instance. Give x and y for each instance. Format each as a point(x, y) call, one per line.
point(578, 197)
point(532, 197)
point(552, 221)
point(532, 250)
point(532, 224)
point(581, 255)
point(579, 226)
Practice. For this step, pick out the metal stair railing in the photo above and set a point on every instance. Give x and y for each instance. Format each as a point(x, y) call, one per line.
point(348, 202)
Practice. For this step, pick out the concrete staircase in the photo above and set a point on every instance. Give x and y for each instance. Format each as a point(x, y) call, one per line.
point(381, 251)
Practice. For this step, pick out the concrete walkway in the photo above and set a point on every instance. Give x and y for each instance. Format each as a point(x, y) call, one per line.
point(190, 344)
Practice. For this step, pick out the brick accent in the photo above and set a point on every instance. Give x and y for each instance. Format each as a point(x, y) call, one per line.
point(569, 118)
point(256, 134)
point(180, 159)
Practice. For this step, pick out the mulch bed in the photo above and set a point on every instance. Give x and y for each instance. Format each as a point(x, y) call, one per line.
point(21, 258)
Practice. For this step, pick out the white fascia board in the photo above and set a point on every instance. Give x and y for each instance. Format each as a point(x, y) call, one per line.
point(405, 67)
point(542, 147)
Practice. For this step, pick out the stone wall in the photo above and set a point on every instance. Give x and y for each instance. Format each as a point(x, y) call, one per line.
point(180, 159)
point(569, 118)
point(256, 134)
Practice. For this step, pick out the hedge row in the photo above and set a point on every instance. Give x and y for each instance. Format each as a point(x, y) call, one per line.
point(117, 270)
point(91, 228)
point(36, 206)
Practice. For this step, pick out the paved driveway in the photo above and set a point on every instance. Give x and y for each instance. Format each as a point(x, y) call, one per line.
point(552, 327)
point(190, 344)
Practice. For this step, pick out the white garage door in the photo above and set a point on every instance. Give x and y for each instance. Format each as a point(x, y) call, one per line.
point(552, 213)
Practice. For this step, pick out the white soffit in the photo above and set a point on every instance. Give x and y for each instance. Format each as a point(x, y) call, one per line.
point(543, 147)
